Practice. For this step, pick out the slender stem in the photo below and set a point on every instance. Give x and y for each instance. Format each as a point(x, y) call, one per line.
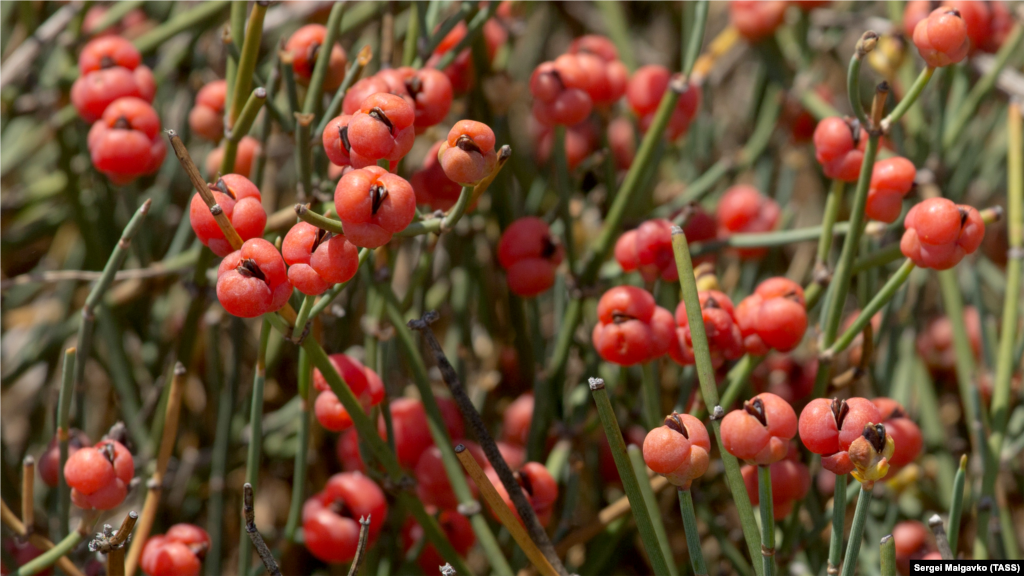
point(908, 99)
point(935, 523)
point(652, 396)
point(503, 512)
point(878, 258)
point(636, 458)
point(240, 129)
point(764, 493)
point(645, 525)
point(709, 392)
point(47, 559)
point(833, 203)
point(364, 533)
point(956, 504)
point(888, 555)
point(871, 308)
point(860, 516)
point(299, 476)
point(412, 34)
point(63, 436)
point(966, 111)
point(816, 105)
point(696, 37)
point(323, 222)
point(225, 389)
point(303, 316)
point(247, 61)
point(736, 381)
point(314, 93)
point(202, 13)
point(692, 535)
point(864, 45)
point(28, 492)
point(328, 297)
point(35, 539)
point(473, 29)
point(155, 485)
point(252, 464)
point(351, 75)
point(835, 542)
point(254, 534)
point(115, 546)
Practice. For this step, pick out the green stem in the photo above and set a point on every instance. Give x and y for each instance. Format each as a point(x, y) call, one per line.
point(966, 111)
point(835, 542)
point(736, 381)
point(299, 476)
point(696, 38)
point(909, 98)
point(221, 440)
point(304, 154)
point(314, 92)
point(241, 128)
point(771, 239)
point(956, 503)
point(864, 318)
point(853, 80)
point(692, 535)
point(48, 558)
point(473, 29)
point(303, 315)
point(320, 221)
point(833, 203)
point(888, 555)
point(204, 12)
point(764, 494)
point(63, 429)
point(252, 465)
point(328, 297)
point(652, 396)
point(351, 75)
point(878, 258)
point(636, 458)
point(860, 516)
point(645, 525)
point(709, 392)
point(247, 62)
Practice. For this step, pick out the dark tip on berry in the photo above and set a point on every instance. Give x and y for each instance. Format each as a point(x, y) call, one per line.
point(964, 213)
point(840, 409)
point(312, 52)
point(108, 452)
point(250, 269)
point(222, 186)
point(954, 12)
point(675, 423)
point(755, 408)
point(378, 192)
point(897, 412)
point(875, 434)
point(620, 318)
point(414, 85)
point(122, 123)
point(548, 247)
point(321, 237)
point(377, 114)
point(468, 144)
point(343, 136)
point(107, 62)
point(711, 304)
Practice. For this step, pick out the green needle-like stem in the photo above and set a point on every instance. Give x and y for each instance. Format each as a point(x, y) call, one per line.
point(860, 517)
point(864, 45)
point(871, 308)
point(652, 395)
point(247, 62)
point(636, 458)
point(908, 99)
point(302, 316)
point(835, 542)
point(696, 37)
point(323, 222)
point(48, 558)
point(692, 535)
point(252, 465)
point(63, 429)
point(305, 377)
point(888, 555)
point(314, 92)
point(240, 129)
point(764, 494)
point(956, 503)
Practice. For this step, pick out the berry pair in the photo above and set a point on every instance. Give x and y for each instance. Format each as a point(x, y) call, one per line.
point(373, 205)
point(678, 450)
point(429, 91)
point(109, 68)
point(941, 38)
point(829, 427)
point(381, 128)
point(774, 316)
point(760, 432)
point(648, 249)
point(644, 92)
point(631, 328)
point(206, 119)
point(530, 256)
point(364, 383)
point(330, 518)
point(304, 48)
point(743, 209)
point(724, 338)
point(891, 179)
point(839, 147)
point(179, 552)
point(49, 461)
point(126, 142)
point(559, 92)
point(253, 280)
point(791, 481)
point(317, 259)
point(940, 233)
point(240, 200)
point(99, 475)
point(988, 23)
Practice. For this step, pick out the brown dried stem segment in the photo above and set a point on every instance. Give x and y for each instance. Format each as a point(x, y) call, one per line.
point(155, 484)
point(504, 513)
point(28, 509)
point(490, 448)
point(254, 534)
point(115, 546)
point(204, 190)
point(364, 533)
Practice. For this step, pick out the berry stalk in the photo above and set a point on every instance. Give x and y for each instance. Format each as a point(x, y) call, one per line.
point(956, 503)
point(908, 99)
point(860, 516)
point(882, 298)
point(35, 539)
point(835, 541)
point(252, 463)
point(764, 489)
point(865, 45)
point(60, 549)
point(246, 64)
point(299, 476)
point(63, 427)
point(692, 535)
point(887, 553)
point(636, 458)
point(645, 525)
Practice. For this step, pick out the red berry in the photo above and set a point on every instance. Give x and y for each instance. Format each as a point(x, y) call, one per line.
point(530, 256)
point(839, 148)
point(999, 26)
point(649, 250)
point(48, 462)
point(679, 449)
point(559, 92)
point(935, 342)
point(468, 155)
point(761, 430)
point(623, 333)
point(126, 142)
point(941, 38)
point(828, 427)
point(790, 482)
point(99, 475)
point(92, 93)
point(177, 553)
point(744, 209)
point(337, 146)
point(253, 280)
point(905, 433)
point(330, 518)
point(382, 128)
point(106, 52)
point(364, 383)
point(240, 201)
point(724, 338)
point(516, 420)
point(373, 204)
point(538, 486)
point(317, 259)
point(891, 179)
point(362, 90)
point(429, 91)
point(644, 92)
point(248, 149)
point(940, 233)
point(757, 20)
point(432, 185)
point(912, 543)
point(206, 119)
point(457, 529)
point(774, 316)
point(304, 46)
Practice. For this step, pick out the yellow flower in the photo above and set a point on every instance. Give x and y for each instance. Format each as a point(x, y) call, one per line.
point(870, 454)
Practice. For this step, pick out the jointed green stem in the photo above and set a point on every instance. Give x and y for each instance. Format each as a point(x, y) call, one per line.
point(871, 308)
point(48, 558)
point(909, 98)
point(636, 458)
point(764, 494)
point(696, 37)
point(252, 465)
point(63, 428)
point(241, 128)
point(303, 316)
point(247, 62)
point(860, 517)
point(835, 543)
point(956, 503)
point(692, 535)
point(888, 555)
point(833, 203)
point(299, 476)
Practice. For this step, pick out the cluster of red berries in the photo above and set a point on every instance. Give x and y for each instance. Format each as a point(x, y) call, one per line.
point(240, 201)
point(791, 481)
point(940, 233)
point(829, 427)
point(253, 280)
point(891, 179)
point(724, 337)
point(304, 45)
point(648, 249)
point(364, 383)
point(631, 327)
point(99, 475)
point(839, 145)
point(987, 23)
point(179, 552)
point(206, 119)
point(743, 209)
point(756, 20)
point(941, 38)
point(530, 256)
point(330, 518)
point(566, 90)
point(760, 431)
point(679, 449)
point(774, 316)
point(113, 92)
point(317, 259)
point(912, 541)
point(428, 91)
